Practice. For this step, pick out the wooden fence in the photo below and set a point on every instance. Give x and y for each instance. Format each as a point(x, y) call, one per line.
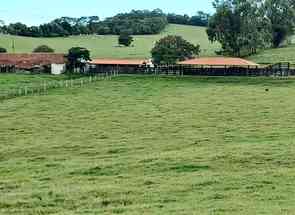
point(7, 69)
point(106, 73)
point(43, 88)
point(281, 69)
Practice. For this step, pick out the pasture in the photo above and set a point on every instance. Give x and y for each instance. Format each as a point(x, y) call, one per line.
point(283, 54)
point(151, 145)
point(14, 81)
point(107, 46)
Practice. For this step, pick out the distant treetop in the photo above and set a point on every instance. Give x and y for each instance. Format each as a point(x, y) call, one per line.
point(138, 22)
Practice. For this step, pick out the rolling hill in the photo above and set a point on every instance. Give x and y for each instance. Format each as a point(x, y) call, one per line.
point(284, 54)
point(107, 47)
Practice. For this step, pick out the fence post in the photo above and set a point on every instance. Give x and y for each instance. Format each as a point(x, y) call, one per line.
point(45, 87)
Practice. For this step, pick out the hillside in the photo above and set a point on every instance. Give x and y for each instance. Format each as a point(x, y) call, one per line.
point(106, 46)
point(276, 55)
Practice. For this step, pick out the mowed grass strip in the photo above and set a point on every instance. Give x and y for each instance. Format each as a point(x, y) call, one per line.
point(145, 145)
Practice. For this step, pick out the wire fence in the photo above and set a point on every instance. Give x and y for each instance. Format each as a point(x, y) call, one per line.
point(44, 87)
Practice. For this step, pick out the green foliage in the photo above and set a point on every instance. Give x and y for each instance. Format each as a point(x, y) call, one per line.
point(3, 50)
point(43, 49)
point(171, 49)
point(200, 19)
point(140, 22)
point(240, 26)
point(78, 57)
point(125, 39)
point(281, 14)
point(245, 26)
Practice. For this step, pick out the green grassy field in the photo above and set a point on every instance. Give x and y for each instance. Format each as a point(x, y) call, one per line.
point(284, 54)
point(13, 81)
point(107, 46)
point(144, 145)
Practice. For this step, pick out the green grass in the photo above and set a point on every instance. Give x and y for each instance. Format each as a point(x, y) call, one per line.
point(144, 145)
point(13, 81)
point(107, 46)
point(284, 54)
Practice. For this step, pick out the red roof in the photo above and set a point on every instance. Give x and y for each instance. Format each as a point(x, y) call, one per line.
point(118, 62)
point(28, 61)
point(219, 61)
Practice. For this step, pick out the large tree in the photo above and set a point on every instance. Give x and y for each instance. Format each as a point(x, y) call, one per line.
point(281, 14)
point(171, 49)
point(77, 58)
point(240, 26)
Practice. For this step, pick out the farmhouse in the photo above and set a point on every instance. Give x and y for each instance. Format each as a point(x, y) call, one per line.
point(123, 65)
point(45, 62)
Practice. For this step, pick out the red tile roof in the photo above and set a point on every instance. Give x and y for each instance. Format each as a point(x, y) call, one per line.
point(118, 62)
point(28, 61)
point(219, 61)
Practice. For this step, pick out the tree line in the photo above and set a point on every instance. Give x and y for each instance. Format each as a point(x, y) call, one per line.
point(244, 27)
point(200, 19)
point(136, 22)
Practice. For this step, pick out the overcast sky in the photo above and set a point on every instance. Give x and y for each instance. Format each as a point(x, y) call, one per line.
point(34, 12)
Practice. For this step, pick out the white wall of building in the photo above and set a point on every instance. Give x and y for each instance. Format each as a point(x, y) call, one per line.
point(57, 69)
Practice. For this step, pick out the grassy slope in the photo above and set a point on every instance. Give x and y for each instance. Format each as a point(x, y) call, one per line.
point(106, 46)
point(284, 54)
point(145, 146)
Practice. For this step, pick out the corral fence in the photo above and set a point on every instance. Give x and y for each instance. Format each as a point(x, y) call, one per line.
point(276, 70)
point(44, 87)
point(7, 69)
point(106, 72)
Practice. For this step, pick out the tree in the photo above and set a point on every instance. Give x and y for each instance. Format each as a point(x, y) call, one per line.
point(240, 26)
point(281, 14)
point(43, 49)
point(125, 39)
point(3, 50)
point(171, 49)
point(77, 58)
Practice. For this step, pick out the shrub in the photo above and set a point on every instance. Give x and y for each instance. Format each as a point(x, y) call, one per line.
point(125, 39)
point(3, 50)
point(43, 49)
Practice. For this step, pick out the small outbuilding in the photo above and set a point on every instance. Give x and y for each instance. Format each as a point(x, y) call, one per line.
point(43, 62)
point(122, 65)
